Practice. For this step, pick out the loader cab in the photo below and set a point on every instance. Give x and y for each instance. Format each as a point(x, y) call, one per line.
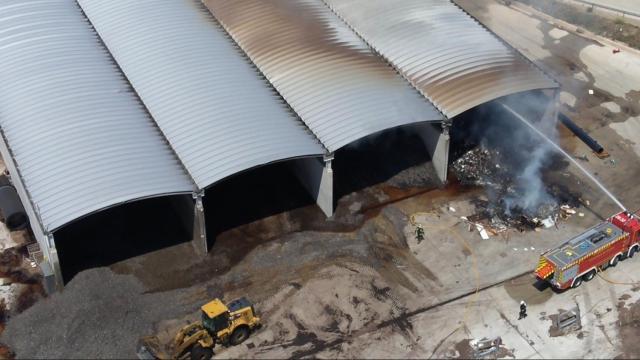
point(215, 317)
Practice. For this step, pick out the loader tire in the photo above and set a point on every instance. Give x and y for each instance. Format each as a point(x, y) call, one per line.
point(239, 335)
point(200, 353)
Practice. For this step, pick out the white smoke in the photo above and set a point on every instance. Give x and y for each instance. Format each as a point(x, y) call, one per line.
point(530, 191)
point(520, 156)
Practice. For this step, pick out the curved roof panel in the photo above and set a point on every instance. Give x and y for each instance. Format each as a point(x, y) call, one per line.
point(80, 138)
point(329, 76)
point(454, 61)
point(217, 111)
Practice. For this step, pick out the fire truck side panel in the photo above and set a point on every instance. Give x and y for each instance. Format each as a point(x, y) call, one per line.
point(603, 256)
point(565, 277)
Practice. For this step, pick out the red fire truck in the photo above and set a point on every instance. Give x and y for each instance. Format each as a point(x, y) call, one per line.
point(603, 245)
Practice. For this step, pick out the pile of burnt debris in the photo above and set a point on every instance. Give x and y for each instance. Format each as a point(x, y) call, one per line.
point(491, 169)
point(481, 166)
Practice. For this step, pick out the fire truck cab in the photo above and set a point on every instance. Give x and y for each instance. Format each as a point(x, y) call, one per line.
point(601, 246)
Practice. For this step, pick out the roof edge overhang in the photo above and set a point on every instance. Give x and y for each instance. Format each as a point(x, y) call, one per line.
point(115, 203)
point(497, 95)
point(396, 127)
point(231, 176)
point(38, 227)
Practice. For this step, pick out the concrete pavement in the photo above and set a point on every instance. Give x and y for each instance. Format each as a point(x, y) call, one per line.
point(632, 6)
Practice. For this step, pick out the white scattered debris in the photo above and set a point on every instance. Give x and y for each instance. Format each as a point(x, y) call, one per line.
point(581, 214)
point(548, 222)
point(452, 209)
point(526, 249)
point(498, 228)
point(590, 91)
point(482, 231)
point(464, 218)
point(568, 98)
point(567, 210)
point(532, 248)
point(581, 76)
point(611, 106)
point(484, 347)
point(515, 249)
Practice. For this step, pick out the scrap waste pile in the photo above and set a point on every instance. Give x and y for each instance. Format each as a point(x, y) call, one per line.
point(491, 169)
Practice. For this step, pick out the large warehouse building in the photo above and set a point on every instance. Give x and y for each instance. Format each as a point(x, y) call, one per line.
point(106, 106)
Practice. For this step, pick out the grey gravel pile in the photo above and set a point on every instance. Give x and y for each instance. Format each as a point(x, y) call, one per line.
point(94, 317)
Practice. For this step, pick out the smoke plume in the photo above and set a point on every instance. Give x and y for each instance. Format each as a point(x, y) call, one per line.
point(522, 154)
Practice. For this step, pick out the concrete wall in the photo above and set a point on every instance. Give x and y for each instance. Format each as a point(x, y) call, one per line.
point(436, 139)
point(199, 225)
point(316, 176)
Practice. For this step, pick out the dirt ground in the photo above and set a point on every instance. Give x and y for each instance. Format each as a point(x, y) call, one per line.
point(360, 285)
point(315, 289)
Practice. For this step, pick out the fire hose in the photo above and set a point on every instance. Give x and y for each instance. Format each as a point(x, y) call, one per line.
point(599, 272)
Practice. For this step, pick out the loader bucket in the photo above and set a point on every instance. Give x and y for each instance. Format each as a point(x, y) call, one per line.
point(149, 348)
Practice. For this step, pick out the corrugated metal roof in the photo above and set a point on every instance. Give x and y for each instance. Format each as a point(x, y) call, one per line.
point(446, 54)
point(328, 75)
point(220, 115)
point(79, 136)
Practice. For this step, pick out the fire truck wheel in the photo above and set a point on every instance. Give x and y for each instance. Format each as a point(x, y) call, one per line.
point(632, 252)
point(614, 261)
point(590, 275)
point(577, 282)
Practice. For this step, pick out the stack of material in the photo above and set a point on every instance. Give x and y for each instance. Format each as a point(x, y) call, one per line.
point(491, 169)
point(480, 167)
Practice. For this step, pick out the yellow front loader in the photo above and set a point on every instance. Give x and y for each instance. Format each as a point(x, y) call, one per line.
point(229, 324)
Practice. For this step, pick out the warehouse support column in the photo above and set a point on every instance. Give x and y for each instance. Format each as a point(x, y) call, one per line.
point(436, 140)
point(316, 176)
point(51, 270)
point(199, 226)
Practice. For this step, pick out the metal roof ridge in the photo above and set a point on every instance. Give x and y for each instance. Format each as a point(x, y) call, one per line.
point(387, 60)
point(133, 89)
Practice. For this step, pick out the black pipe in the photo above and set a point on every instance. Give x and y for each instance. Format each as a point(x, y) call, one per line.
point(15, 217)
point(581, 134)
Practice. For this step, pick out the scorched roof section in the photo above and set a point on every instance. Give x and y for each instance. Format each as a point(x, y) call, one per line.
point(329, 76)
point(217, 111)
point(78, 135)
point(442, 51)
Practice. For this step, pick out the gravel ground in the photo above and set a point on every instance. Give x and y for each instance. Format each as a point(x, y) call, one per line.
point(102, 314)
point(73, 324)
